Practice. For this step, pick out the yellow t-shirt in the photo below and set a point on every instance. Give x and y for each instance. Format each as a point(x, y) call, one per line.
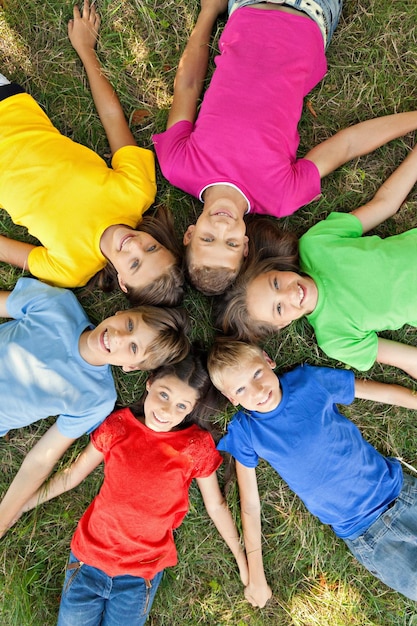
point(64, 193)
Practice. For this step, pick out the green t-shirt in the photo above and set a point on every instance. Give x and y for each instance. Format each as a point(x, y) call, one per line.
point(365, 285)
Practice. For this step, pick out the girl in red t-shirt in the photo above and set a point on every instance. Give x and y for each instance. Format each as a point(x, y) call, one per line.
point(151, 452)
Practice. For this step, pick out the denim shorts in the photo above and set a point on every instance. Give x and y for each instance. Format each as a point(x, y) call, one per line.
point(388, 548)
point(92, 598)
point(325, 13)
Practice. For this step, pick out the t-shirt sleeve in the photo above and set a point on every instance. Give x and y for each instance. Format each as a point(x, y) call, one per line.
point(339, 384)
point(358, 352)
point(138, 166)
point(30, 294)
point(170, 147)
point(237, 443)
point(202, 450)
point(44, 265)
point(74, 426)
point(110, 431)
point(299, 187)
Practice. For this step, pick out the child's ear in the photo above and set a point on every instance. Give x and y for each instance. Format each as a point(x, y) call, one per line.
point(245, 246)
point(122, 284)
point(268, 359)
point(148, 384)
point(188, 235)
point(130, 368)
point(232, 400)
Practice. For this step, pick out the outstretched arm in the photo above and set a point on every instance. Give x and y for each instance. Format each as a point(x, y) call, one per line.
point(83, 32)
point(15, 252)
point(192, 68)
point(395, 395)
point(398, 355)
point(3, 306)
point(220, 514)
point(35, 468)
point(257, 591)
point(390, 196)
point(66, 479)
point(360, 139)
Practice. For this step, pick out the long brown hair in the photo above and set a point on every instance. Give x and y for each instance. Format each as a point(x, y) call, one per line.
point(168, 289)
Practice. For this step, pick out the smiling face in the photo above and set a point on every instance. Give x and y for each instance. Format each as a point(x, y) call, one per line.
point(253, 384)
point(279, 298)
point(122, 339)
point(218, 237)
point(168, 402)
point(138, 258)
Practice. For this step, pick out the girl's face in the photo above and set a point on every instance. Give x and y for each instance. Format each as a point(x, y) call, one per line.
point(168, 402)
point(138, 258)
point(279, 298)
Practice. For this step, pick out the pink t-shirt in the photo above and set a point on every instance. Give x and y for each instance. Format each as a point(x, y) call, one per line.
point(246, 131)
point(128, 528)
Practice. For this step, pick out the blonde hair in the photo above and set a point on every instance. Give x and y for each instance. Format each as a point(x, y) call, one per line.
point(228, 353)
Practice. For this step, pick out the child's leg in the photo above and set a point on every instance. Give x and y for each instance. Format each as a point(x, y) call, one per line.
point(388, 549)
point(82, 601)
point(130, 600)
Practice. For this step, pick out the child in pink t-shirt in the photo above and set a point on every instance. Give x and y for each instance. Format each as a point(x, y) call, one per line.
point(240, 153)
point(151, 453)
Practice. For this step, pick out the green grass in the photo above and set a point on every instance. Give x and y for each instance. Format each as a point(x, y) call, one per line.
point(316, 582)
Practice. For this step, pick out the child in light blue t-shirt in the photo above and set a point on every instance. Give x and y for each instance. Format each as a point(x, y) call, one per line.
point(55, 362)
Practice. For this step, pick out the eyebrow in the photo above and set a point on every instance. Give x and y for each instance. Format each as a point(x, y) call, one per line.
point(170, 391)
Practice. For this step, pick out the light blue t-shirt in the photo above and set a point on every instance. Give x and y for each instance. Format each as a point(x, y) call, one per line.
point(42, 372)
point(321, 454)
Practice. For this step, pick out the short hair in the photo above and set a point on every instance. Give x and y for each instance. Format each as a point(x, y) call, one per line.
point(168, 289)
point(228, 353)
point(171, 344)
point(210, 281)
point(233, 315)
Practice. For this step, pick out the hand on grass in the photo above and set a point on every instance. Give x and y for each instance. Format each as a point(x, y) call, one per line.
point(83, 29)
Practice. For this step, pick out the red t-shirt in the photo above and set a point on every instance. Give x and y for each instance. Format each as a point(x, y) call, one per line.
point(128, 528)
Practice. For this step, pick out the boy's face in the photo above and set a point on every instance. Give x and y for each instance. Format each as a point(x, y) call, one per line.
point(279, 298)
point(253, 384)
point(218, 237)
point(122, 339)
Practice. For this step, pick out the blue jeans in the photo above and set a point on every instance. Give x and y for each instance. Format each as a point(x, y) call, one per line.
point(388, 548)
point(325, 12)
point(91, 598)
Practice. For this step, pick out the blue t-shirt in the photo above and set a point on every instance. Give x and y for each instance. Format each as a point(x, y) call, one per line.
point(42, 371)
point(321, 454)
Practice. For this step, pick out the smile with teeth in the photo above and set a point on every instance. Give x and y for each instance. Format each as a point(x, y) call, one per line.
point(158, 419)
point(301, 294)
point(106, 341)
point(124, 240)
point(266, 399)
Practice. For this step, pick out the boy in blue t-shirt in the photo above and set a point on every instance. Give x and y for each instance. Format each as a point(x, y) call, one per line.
point(55, 362)
point(293, 423)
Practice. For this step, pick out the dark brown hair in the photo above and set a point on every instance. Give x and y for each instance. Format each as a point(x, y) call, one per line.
point(168, 289)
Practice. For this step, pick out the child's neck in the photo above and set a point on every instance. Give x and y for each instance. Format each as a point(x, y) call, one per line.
point(85, 351)
point(226, 192)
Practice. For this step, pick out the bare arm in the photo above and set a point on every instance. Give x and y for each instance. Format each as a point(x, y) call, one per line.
point(83, 32)
point(395, 395)
point(3, 306)
point(390, 196)
point(66, 479)
point(258, 591)
point(34, 470)
point(220, 514)
point(15, 252)
point(192, 68)
point(398, 355)
point(360, 139)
